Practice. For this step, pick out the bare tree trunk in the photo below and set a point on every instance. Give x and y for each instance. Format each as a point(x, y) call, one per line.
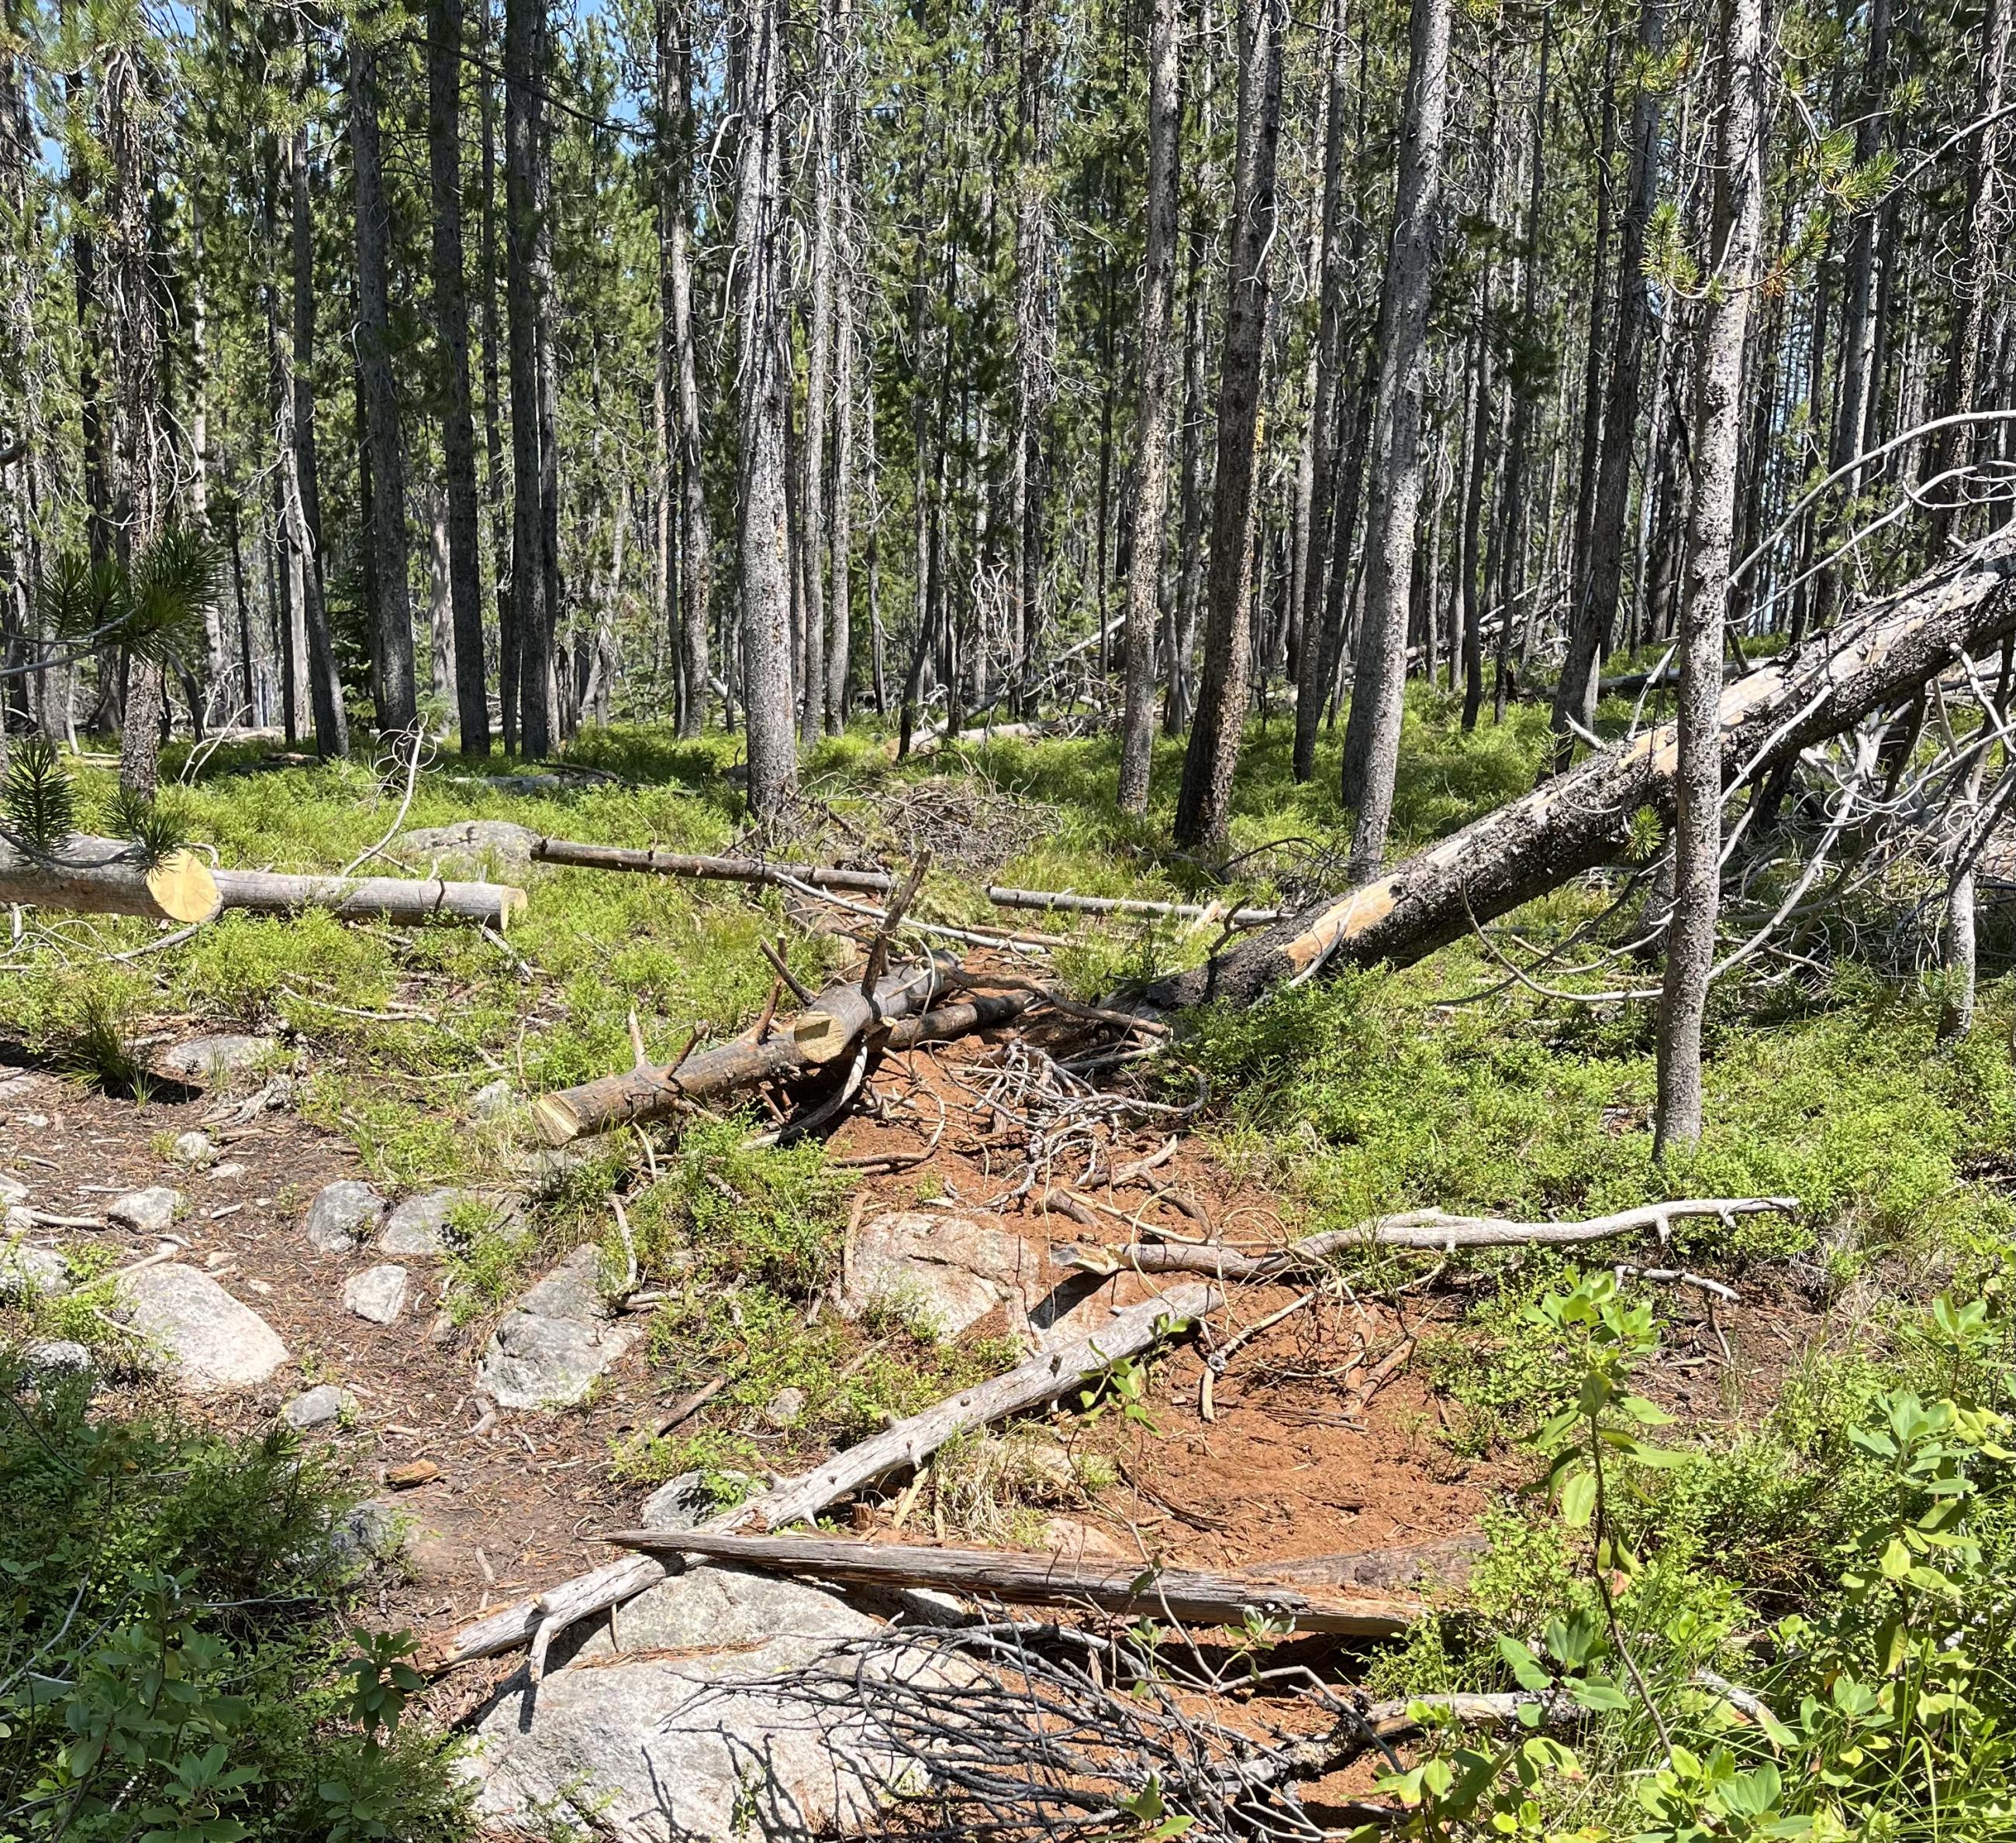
point(1372, 740)
point(839, 638)
point(392, 632)
point(1596, 611)
point(531, 615)
point(1035, 342)
point(465, 561)
point(1205, 805)
point(812, 533)
point(760, 229)
point(1151, 427)
point(1715, 431)
point(493, 438)
point(1312, 687)
point(1189, 541)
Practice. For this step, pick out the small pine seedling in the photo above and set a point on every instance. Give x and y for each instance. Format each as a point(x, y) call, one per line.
point(39, 798)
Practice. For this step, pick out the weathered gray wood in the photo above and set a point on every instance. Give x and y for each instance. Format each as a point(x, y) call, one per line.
point(657, 863)
point(1023, 1580)
point(907, 1443)
point(1003, 897)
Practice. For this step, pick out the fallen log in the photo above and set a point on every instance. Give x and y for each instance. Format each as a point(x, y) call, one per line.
point(1575, 821)
point(654, 862)
point(1004, 897)
point(794, 1046)
point(103, 877)
point(1429, 1230)
point(905, 1444)
point(371, 899)
point(1020, 1579)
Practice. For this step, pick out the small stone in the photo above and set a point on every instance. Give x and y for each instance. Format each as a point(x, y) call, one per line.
point(35, 1122)
point(786, 1407)
point(367, 1532)
point(556, 1339)
point(343, 1214)
point(419, 1226)
point(687, 1501)
point(54, 1359)
point(18, 1221)
point(261, 1286)
point(210, 1341)
point(206, 1058)
point(318, 1407)
point(195, 1148)
point(17, 1085)
point(218, 1173)
point(12, 1191)
point(443, 1330)
point(149, 1212)
point(495, 1102)
point(28, 1273)
point(378, 1293)
point(412, 1474)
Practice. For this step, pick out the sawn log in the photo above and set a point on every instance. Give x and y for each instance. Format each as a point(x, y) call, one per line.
point(1023, 1580)
point(1580, 819)
point(371, 899)
point(101, 876)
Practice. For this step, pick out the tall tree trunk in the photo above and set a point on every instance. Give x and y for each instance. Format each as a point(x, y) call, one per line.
point(1715, 431)
point(392, 632)
point(1596, 611)
point(761, 229)
point(1190, 539)
point(531, 615)
point(493, 437)
point(812, 534)
point(545, 305)
point(1204, 807)
point(696, 551)
point(126, 114)
point(846, 368)
point(1372, 740)
point(1035, 341)
point(465, 562)
point(1311, 688)
point(1151, 422)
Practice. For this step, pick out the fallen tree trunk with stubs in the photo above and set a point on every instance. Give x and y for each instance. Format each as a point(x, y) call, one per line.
point(1429, 1230)
point(1576, 821)
point(904, 1444)
point(371, 899)
point(654, 862)
point(1019, 1579)
point(105, 876)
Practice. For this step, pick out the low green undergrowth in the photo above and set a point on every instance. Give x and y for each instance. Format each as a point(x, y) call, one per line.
point(175, 1664)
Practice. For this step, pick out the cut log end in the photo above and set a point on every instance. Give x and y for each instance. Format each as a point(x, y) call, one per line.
point(558, 1124)
point(182, 885)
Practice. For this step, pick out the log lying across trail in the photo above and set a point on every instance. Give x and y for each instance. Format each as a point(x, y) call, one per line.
point(1029, 1580)
point(371, 899)
point(1004, 897)
point(1430, 1231)
point(1582, 819)
point(103, 877)
point(904, 1444)
point(657, 863)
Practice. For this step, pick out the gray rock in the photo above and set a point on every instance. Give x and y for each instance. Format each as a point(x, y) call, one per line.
point(28, 1271)
point(195, 1148)
point(54, 1359)
point(556, 1339)
point(786, 1409)
point(940, 1273)
point(18, 1221)
point(343, 1214)
point(203, 1059)
point(221, 1172)
point(150, 1211)
point(419, 1224)
point(711, 1608)
point(496, 1101)
point(208, 1339)
point(12, 1191)
point(469, 847)
point(17, 1085)
point(685, 1502)
point(378, 1293)
point(320, 1406)
point(369, 1532)
point(652, 1749)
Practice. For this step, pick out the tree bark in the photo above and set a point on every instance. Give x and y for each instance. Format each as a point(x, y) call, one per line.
point(465, 561)
point(392, 627)
point(98, 877)
point(1582, 819)
point(1151, 425)
point(1714, 428)
point(531, 615)
point(1035, 344)
point(1596, 611)
point(1371, 739)
point(1205, 805)
point(365, 898)
point(760, 229)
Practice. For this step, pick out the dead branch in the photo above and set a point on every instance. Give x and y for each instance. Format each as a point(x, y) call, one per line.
point(1005, 897)
point(654, 862)
point(1025, 1580)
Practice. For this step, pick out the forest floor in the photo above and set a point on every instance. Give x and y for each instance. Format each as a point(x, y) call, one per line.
point(1394, 1411)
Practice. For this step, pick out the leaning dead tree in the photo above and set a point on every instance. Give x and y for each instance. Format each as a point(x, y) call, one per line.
point(1879, 659)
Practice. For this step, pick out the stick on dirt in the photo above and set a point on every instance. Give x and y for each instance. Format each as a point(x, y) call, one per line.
point(657, 863)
